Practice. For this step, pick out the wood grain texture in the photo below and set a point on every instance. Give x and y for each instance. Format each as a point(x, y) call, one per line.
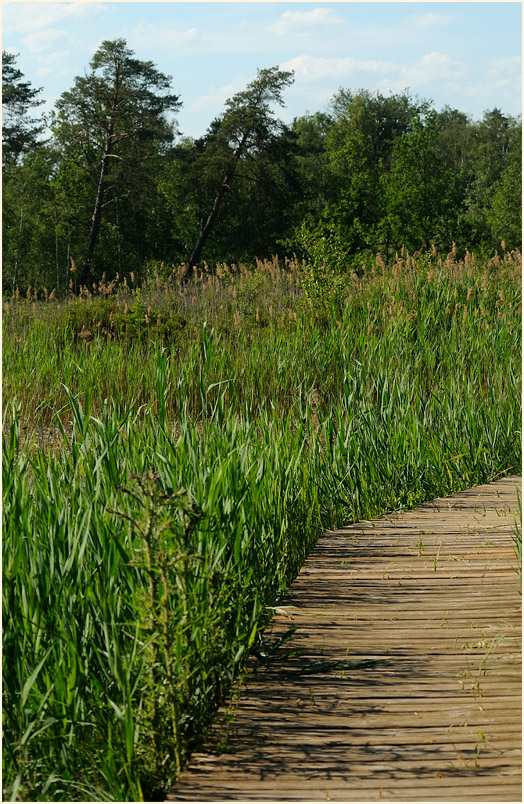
point(402, 679)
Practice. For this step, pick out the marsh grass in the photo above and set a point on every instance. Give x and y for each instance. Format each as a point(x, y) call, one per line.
point(162, 487)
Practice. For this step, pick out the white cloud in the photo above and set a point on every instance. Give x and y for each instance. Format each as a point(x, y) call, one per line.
point(28, 17)
point(500, 84)
point(54, 58)
point(429, 20)
point(146, 35)
point(215, 98)
point(41, 41)
point(434, 72)
point(491, 93)
point(311, 68)
point(52, 62)
point(433, 67)
point(293, 22)
point(508, 67)
point(43, 71)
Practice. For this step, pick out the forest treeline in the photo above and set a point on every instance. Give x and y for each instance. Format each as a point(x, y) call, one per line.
point(107, 184)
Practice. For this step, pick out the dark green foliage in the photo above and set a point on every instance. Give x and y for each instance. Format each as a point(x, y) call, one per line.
point(421, 192)
point(246, 133)
point(505, 215)
point(360, 151)
point(20, 132)
point(30, 221)
point(495, 138)
point(112, 123)
point(114, 192)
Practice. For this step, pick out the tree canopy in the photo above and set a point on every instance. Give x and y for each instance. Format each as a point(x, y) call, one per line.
point(246, 128)
point(115, 188)
point(113, 124)
point(20, 131)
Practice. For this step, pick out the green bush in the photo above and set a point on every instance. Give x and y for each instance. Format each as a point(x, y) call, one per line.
point(113, 318)
point(327, 273)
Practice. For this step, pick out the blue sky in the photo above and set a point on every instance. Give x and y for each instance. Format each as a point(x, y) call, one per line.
point(465, 55)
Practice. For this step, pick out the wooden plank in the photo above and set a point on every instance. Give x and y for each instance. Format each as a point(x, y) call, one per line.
point(402, 678)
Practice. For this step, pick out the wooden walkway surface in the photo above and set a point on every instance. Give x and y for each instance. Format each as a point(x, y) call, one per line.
point(404, 679)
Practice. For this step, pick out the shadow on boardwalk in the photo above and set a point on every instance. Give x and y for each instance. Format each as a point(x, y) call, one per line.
point(391, 670)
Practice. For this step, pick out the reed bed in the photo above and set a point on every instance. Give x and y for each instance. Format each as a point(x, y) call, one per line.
point(171, 455)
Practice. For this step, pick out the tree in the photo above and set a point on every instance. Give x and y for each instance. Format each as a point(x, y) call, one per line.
point(26, 165)
point(360, 149)
point(455, 140)
point(20, 132)
point(28, 242)
point(246, 127)
point(312, 167)
point(505, 215)
point(493, 141)
point(420, 189)
point(114, 121)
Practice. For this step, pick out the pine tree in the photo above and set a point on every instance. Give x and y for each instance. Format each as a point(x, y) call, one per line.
point(115, 118)
point(246, 126)
point(20, 131)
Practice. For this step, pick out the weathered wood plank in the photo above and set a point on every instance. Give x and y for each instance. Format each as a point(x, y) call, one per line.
point(404, 679)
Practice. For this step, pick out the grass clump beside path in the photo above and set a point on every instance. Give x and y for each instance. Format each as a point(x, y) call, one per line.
point(171, 455)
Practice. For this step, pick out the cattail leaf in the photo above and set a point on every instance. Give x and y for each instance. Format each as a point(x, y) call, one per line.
point(28, 685)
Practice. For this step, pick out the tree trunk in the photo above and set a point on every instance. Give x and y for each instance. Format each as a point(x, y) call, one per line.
point(68, 258)
point(56, 259)
point(15, 272)
point(197, 251)
point(97, 211)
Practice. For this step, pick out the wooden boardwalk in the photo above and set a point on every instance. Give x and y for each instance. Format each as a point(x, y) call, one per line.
point(404, 679)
